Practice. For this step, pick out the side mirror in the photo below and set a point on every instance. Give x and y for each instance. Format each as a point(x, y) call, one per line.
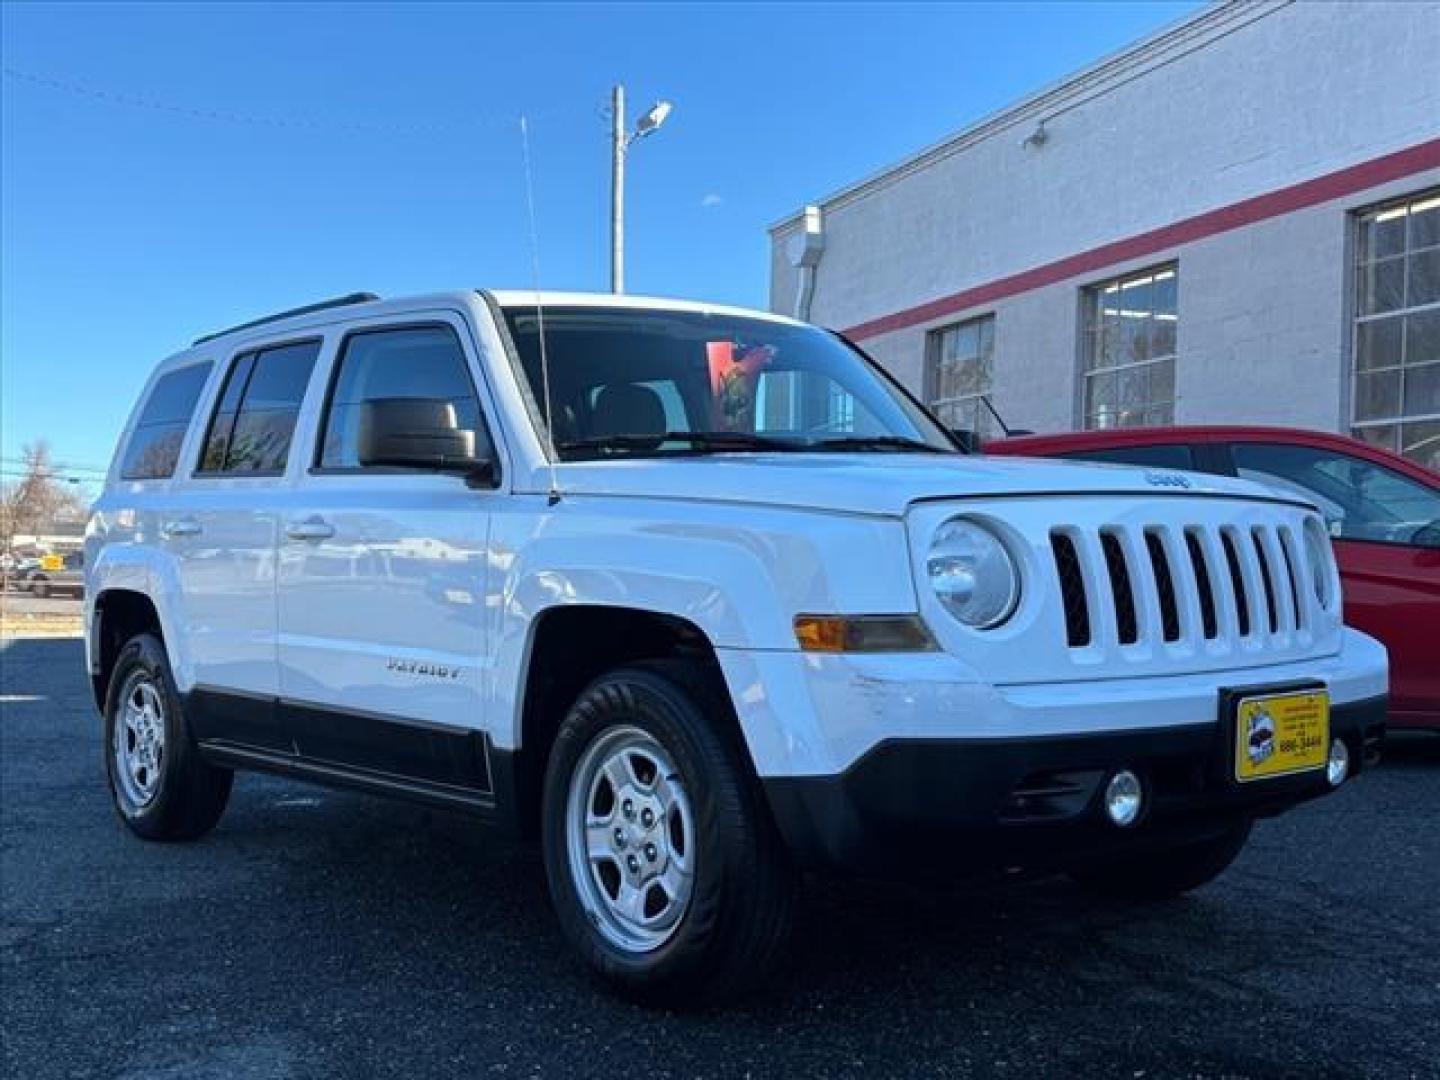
point(967, 440)
point(1427, 536)
point(420, 433)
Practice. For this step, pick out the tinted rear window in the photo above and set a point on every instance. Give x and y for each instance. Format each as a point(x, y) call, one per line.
point(1163, 456)
point(154, 447)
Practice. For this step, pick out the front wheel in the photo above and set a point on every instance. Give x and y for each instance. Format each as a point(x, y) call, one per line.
point(665, 869)
point(163, 789)
point(1169, 872)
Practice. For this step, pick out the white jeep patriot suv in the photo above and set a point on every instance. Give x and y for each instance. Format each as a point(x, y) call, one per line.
point(696, 596)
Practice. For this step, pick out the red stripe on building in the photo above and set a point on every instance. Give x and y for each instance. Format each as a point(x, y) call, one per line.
point(1333, 185)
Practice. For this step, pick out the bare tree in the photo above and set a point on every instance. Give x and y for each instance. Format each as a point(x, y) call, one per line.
point(38, 499)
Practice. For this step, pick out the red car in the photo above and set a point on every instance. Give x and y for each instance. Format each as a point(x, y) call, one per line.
point(1383, 511)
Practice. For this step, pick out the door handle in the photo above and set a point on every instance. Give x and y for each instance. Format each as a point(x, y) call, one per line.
point(182, 527)
point(313, 528)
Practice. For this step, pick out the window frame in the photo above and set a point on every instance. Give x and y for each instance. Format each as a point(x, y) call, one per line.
point(1354, 425)
point(198, 472)
point(332, 381)
point(135, 426)
point(1090, 295)
point(935, 339)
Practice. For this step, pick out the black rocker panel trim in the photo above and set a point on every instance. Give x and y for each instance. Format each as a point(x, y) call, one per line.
point(238, 717)
point(456, 757)
point(493, 808)
point(353, 748)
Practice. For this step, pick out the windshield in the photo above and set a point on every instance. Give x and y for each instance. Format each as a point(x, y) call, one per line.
point(652, 382)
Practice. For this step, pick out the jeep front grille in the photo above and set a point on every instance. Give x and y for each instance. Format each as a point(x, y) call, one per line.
point(1165, 585)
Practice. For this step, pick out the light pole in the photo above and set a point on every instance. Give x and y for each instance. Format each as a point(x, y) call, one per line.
point(620, 141)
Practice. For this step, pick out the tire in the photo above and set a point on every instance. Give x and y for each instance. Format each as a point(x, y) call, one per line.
point(729, 932)
point(1170, 872)
point(41, 589)
point(162, 788)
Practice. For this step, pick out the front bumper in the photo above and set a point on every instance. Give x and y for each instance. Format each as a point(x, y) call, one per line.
point(947, 805)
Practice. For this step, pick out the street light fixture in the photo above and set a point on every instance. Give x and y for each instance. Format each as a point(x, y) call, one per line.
point(620, 141)
point(651, 121)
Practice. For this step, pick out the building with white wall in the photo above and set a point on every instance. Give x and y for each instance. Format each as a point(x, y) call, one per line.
point(1236, 219)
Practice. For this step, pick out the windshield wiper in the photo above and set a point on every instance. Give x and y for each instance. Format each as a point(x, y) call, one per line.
point(719, 441)
point(877, 442)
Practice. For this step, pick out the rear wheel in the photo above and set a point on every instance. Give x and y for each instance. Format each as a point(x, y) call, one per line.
point(1159, 875)
point(41, 588)
point(665, 869)
point(163, 789)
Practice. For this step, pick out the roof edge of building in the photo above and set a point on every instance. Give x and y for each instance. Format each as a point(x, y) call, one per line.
point(1193, 31)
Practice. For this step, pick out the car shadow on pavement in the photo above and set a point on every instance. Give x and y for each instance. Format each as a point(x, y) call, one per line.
point(1411, 748)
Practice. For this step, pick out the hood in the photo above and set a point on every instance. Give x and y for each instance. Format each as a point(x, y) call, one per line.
point(874, 483)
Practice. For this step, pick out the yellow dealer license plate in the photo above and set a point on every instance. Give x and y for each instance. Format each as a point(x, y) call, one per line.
point(1279, 734)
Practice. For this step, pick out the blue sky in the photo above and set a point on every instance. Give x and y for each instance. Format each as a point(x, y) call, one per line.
point(205, 163)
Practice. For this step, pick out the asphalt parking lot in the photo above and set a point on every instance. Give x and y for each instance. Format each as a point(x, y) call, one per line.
point(324, 934)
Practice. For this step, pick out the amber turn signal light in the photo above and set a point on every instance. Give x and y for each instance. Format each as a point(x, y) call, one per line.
point(862, 633)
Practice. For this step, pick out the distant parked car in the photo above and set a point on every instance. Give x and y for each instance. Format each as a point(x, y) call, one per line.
point(56, 574)
point(19, 570)
point(1383, 512)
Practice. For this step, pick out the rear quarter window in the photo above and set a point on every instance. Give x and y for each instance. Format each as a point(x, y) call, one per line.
point(154, 447)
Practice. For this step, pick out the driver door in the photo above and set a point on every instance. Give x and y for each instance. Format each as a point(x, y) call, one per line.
point(382, 575)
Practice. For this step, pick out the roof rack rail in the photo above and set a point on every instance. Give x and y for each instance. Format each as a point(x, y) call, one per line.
point(333, 302)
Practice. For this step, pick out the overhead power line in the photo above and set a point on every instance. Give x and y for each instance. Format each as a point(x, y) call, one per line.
point(246, 119)
point(55, 466)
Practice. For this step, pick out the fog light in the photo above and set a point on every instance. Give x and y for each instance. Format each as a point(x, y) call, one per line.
point(1123, 797)
point(1338, 767)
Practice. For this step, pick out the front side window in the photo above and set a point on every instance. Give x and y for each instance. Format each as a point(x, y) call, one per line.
point(1396, 391)
point(961, 370)
point(1130, 335)
point(154, 446)
point(255, 417)
point(1359, 499)
point(411, 363)
point(657, 382)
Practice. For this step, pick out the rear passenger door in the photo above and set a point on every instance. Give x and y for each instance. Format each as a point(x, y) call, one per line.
point(223, 534)
point(383, 571)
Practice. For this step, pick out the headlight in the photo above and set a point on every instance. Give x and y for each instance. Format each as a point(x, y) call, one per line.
point(973, 574)
point(1317, 554)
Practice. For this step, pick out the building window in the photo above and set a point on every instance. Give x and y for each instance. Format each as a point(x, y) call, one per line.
point(1396, 391)
point(1130, 325)
point(960, 372)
